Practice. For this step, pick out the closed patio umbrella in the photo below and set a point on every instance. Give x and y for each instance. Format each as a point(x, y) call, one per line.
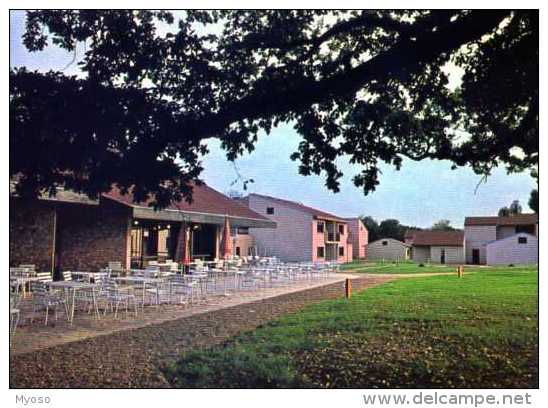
point(227, 240)
point(182, 253)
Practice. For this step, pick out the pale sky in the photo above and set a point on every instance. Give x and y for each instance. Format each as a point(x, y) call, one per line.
point(420, 194)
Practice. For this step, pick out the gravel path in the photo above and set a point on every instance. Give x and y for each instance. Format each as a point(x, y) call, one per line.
point(133, 358)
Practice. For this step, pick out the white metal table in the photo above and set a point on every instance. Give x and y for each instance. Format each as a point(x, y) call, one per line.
point(70, 288)
point(88, 275)
point(141, 280)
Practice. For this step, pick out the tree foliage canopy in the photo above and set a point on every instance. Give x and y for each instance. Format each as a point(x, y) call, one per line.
point(369, 86)
point(513, 209)
point(533, 198)
point(442, 225)
point(389, 228)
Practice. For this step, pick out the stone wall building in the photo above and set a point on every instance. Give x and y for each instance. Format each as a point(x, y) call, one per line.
point(71, 232)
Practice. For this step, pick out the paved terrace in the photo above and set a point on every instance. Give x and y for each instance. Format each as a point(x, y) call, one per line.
point(130, 351)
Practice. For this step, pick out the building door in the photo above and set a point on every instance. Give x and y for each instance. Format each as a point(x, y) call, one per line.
point(442, 256)
point(475, 256)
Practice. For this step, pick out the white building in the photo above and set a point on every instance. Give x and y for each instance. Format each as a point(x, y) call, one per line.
point(444, 247)
point(501, 240)
point(388, 249)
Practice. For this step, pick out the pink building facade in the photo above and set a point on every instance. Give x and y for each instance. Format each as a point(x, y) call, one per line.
point(302, 233)
point(358, 238)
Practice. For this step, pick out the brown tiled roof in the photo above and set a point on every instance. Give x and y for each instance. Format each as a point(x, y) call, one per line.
point(314, 211)
point(205, 200)
point(518, 219)
point(442, 238)
point(410, 233)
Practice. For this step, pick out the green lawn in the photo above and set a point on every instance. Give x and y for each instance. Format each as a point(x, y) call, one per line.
point(401, 268)
point(480, 331)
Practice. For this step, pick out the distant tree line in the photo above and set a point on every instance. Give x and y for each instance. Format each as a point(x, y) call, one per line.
point(512, 209)
point(515, 208)
point(392, 228)
point(533, 198)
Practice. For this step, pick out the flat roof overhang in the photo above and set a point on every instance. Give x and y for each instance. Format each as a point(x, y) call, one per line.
point(199, 218)
point(330, 219)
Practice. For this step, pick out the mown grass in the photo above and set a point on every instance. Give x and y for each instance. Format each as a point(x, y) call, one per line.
point(405, 268)
point(480, 332)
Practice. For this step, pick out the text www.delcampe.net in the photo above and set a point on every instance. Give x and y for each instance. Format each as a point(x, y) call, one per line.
point(440, 398)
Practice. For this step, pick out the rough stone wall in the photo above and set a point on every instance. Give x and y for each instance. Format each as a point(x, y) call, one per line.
point(31, 225)
point(91, 236)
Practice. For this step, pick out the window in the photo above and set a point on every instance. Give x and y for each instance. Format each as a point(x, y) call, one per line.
point(270, 210)
point(320, 252)
point(341, 229)
point(341, 251)
point(243, 230)
point(384, 243)
point(319, 227)
point(238, 251)
point(522, 240)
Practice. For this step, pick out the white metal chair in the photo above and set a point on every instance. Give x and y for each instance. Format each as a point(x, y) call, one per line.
point(113, 296)
point(20, 272)
point(44, 277)
point(42, 298)
point(116, 268)
point(14, 314)
point(31, 268)
point(67, 276)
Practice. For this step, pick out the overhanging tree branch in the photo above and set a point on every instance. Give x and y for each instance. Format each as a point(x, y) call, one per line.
point(401, 59)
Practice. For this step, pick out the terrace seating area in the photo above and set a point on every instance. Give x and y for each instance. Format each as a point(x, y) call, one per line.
point(116, 297)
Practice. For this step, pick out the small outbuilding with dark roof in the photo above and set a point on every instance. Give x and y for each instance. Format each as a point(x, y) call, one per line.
point(444, 247)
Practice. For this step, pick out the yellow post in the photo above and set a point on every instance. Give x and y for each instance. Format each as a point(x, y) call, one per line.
point(460, 271)
point(348, 289)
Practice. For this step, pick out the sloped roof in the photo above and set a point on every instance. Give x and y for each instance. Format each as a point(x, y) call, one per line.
point(391, 240)
point(518, 219)
point(205, 200)
point(519, 234)
point(435, 238)
point(310, 210)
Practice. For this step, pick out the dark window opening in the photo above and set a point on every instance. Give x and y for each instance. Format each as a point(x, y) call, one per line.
point(341, 229)
point(243, 230)
point(270, 210)
point(320, 252)
point(341, 251)
point(528, 229)
point(238, 251)
point(522, 240)
point(319, 227)
point(385, 243)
